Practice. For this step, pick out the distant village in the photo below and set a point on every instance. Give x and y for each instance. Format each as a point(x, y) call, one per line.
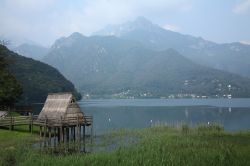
point(224, 91)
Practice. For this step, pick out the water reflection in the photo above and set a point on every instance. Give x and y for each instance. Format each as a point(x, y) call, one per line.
point(113, 115)
point(234, 114)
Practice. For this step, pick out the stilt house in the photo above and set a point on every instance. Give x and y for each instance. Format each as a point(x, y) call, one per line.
point(60, 106)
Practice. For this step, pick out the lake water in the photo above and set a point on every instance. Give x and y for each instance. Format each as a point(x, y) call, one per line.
point(110, 114)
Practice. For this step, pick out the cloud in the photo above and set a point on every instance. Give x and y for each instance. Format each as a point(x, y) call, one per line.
point(29, 5)
point(242, 8)
point(170, 27)
point(46, 20)
point(186, 8)
point(245, 42)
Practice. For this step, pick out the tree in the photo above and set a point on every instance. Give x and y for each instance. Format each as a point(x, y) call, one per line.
point(10, 89)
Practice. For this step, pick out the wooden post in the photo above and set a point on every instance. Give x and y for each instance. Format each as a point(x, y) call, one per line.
point(32, 125)
point(67, 137)
point(45, 130)
point(40, 138)
point(80, 133)
point(49, 136)
point(83, 132)
point(58, 135)
point(64, 134)
point(80, 137)
point(74, 134)
point(91, 135)
point(11, 119)
point(61, 131)
point(77, 128)
point(31, 120)
point(40, 131)
point(10, 122)
point(71, 133)
point(55, 136)
point(44, 135)
point(67, 134)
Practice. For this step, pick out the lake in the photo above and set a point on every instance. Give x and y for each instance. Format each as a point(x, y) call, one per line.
point(108, 114)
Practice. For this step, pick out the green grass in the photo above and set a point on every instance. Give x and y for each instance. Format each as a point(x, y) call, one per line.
point(13, 145)
point(203, 145)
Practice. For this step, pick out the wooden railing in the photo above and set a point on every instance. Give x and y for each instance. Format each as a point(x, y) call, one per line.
point(19, 120)
point(33, 120)
point(4, 108)
point(86, 120)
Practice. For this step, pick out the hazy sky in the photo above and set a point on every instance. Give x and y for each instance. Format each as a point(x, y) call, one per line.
point(43, 21)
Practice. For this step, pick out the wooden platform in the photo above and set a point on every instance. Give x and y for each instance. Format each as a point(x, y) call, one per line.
point(61, 119)
point(63, 130)
point(33, 120)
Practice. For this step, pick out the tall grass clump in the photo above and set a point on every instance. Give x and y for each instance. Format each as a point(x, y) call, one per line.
point(209, 129)
point(185, 129)
point(161, 145)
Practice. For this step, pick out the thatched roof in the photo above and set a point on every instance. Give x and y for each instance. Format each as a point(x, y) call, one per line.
point(59, 105)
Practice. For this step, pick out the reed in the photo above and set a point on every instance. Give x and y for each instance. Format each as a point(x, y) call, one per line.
point(161, 145)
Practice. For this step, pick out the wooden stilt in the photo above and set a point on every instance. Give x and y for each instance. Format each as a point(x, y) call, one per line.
point(30, 125)
point(58, 135)
point(83, 132)
point(80, 131)
point(63, 134)
point(80, 137)
point(71, 133)
point(77, 128)
point(54, 136)
point(67, 137)
point(49, 141)
point(91, 136)
point(61, 131)
point(40, 131)
point(10, 118)
point(67, 134)
point(74, 134)
point(44, 135)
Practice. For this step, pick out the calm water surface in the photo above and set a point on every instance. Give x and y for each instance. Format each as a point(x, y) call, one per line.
point(110, 114)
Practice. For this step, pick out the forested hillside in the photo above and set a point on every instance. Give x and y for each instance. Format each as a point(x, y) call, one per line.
point(36, 78)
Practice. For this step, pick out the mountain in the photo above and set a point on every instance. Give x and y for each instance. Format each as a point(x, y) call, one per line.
point(36, 78)
point(108, 65)
point(15, 41)
point(32, 51)
point(231, 57)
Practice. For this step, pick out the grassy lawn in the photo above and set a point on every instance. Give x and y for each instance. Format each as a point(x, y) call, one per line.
point(13, 145)
point(156, 146)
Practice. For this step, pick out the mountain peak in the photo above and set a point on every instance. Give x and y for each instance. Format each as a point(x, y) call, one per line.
point(76, 35)
point(140, 23)
point(63, 41)
point(142, 20)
